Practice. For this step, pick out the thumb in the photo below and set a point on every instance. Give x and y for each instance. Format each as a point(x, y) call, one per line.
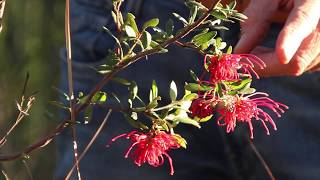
point(301, 22)
point(256, 26)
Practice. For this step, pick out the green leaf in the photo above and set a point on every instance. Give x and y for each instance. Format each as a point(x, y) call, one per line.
point(99, 98)
point(132, 23)
point(173, 91)
point(146, 39)
point(151, 23)
point(130, 31)
point(203, 38)
point(187, 120)
point(169, 27)
point(133, 90)
point(202, 120)
point(180, 140)
point(88, 114)
point(183, 20)
point(121, 81)
point(193, 14)
point(154, 103)
point(195, 3)
point(239, 16)
point(193, 87)
point(219, 14)
point(154, 88)
point(248, 90)
point(229, 51)
point(59, 105)
point(190, 97)
point(232, 5)
point(194, 76)
point(238, 84)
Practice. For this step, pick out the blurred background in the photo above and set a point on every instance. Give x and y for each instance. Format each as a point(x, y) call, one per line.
point(32, 35)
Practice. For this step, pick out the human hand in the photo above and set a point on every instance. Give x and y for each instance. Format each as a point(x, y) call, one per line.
point(298, 45)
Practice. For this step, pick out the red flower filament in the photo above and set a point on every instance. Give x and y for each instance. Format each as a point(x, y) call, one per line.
point(225, 68)
point(243, 109)
point(150, 147)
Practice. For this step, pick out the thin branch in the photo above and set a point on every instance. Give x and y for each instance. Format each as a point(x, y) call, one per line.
point(70, 84)
point(23, 111)
point(261, 159)
point(27, 169)
point(2, 6)
point(120, 66)
point(93, 139)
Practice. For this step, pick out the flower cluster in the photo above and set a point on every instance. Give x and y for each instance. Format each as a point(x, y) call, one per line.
point(232, 103)
point(229, 67)
point(150, 147)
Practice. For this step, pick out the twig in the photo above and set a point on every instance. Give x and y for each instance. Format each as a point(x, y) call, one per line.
point(70, 84)
point(23, 111)
point(261, 159)
point(27, 169)
point(120, 66)
point(93, 139)
point(2, 6)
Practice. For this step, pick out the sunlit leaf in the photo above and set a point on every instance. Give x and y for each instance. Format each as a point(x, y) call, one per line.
point(151, 23)
point(173, 91)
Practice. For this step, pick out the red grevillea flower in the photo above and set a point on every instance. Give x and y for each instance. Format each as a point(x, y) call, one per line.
point(228, 66)
point(150, 147)
point(201, 108)
point(244, 109)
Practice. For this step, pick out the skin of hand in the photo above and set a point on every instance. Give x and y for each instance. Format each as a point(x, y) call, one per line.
point(298, 44)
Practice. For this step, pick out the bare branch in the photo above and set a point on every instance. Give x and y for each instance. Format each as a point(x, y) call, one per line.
point(93, 139)
point(261, 159)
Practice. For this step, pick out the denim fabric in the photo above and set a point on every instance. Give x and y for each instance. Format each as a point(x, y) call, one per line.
point(292, 151)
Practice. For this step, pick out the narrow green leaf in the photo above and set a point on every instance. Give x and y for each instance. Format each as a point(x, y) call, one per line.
point(193, 14)
point(132, 23)
point(232, 5)
point(169, 27)
point(130, 31)
point(133, 90)
point(219, 14)
point(193, 87)
point(187, 120)
point(240, 16)
point(100, 97)
point(154, 88)
point(88, 114)
point(121, 81)
point(204, 37)
point(194, 76)
point(151, 23)
point(154, 103)
point(173, 91)
point(146, 39)
point(229, 51)
point(183, 20)
point(180, 140)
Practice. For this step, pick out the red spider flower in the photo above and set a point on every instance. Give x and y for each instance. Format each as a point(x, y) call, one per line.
point(201, 108)
point(243, 109)
point(150, 147)
point(225, 68)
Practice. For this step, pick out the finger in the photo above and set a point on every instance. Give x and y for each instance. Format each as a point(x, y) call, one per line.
point(315, 66)
point(301, 22)
point(273, 67)
point(306, 56)
point(255, 27)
